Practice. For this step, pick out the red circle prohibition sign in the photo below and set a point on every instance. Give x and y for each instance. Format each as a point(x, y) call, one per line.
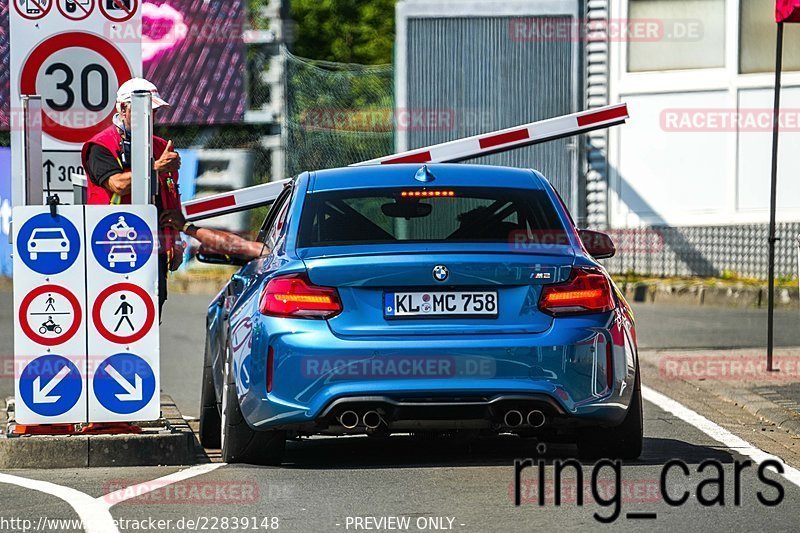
point(128, 12)
point(82, 12)
point(34, 336)
point(40, 10)
point(74, 39)
point(150, 313)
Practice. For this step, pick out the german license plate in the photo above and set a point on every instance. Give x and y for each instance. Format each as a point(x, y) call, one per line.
point(477, 304)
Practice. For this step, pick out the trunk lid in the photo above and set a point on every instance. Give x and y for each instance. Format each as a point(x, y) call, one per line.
point(364, 281)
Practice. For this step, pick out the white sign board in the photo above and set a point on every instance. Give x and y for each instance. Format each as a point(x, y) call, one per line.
point(122, 290)
point(75, 54)
point(86, 339)
point(50, 323)
point(58, 166)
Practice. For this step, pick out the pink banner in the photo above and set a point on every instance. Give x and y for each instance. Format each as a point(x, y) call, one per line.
point(787, 11)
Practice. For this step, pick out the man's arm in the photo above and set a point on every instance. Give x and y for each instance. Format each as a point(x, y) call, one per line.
point(225, 242)
point(106, 171)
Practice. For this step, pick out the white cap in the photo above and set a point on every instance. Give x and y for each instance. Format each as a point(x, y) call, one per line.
point(126, 90)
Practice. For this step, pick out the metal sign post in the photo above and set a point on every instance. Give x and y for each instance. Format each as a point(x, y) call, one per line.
point(27, 182)
point(142, 182)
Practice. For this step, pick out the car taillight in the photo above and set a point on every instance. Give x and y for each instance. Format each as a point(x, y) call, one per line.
point(586, 291)
point(294, 296)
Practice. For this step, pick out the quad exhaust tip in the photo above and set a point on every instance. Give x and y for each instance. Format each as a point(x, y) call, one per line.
point(536, 418)
point(349, 419)
point(372, 420)
point(513, 418)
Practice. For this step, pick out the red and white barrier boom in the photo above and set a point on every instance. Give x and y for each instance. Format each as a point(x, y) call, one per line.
point(448, 152)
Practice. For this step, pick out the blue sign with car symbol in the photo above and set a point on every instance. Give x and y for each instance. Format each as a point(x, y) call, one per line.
point(48, 244)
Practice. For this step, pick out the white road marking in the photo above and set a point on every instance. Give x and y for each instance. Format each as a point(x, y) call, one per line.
point(134, 491)
point(95, 515)
point(717, 432)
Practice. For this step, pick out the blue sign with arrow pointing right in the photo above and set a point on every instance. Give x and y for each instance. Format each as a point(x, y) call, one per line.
point(124, 383)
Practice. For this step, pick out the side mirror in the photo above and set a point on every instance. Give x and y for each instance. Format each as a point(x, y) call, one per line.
point(598, 244)
point(221, 259)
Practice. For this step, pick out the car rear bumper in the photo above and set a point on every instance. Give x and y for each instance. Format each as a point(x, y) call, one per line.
point(580, 372)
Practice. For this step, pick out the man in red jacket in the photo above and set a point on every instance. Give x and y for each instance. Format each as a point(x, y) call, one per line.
point(106, 158)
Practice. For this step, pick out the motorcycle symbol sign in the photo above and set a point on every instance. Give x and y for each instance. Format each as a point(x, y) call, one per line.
point(50, 315)
point(122, 242)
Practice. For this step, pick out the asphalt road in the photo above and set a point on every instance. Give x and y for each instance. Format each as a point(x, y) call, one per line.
point(333, 484)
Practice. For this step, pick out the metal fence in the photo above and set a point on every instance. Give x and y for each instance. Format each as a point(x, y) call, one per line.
point(708, 251)
point(336, 113)
point(474, 74)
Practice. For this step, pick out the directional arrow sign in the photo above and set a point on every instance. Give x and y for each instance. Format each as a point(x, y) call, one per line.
point(134, 392)
point(49, 386)
point(41, 394)
point(125, 384)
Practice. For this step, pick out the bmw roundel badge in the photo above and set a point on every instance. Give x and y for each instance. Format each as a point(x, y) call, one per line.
point(440, 273)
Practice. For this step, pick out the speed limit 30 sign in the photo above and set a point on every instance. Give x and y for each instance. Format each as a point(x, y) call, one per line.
point(78, 70)
point(75, 56)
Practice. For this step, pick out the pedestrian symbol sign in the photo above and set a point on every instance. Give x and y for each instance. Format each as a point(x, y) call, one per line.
point(50, 385)
point(47, 244)
point(123, 313)
point(124, 383)
point(122, 242)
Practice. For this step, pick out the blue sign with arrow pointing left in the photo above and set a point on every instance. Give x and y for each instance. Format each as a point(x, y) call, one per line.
point(50, 385)
point(124, 383)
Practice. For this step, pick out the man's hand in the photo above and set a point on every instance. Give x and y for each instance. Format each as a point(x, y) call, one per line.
point(177, 257)
point(119, 183)
point(170, 160)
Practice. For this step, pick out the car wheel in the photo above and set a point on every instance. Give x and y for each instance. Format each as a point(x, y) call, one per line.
point(64, 256)
point(210, 419)
point(240, 443)
point(34, 255)
point(621, 442)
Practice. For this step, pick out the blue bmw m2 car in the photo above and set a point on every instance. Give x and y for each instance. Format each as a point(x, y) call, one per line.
point(433, 299)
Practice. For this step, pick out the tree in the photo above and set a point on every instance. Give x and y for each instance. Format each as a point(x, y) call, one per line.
point(347, 31)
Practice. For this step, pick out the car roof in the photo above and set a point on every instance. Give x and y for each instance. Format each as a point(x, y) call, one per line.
point(445, 175)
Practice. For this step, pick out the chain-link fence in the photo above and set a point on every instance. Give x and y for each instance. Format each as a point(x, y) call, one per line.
point(708, 251)
point(336, 113)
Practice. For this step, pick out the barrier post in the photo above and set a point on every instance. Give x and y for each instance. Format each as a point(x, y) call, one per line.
point(142, 182)
point(27, 187)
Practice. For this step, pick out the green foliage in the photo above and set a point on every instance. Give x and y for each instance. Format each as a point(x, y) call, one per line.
point(347, 31)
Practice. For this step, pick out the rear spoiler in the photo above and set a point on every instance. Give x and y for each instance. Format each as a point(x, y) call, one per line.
point(448, 152)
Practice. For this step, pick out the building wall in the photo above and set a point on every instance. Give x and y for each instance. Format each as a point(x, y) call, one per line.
point(692, 165)
point(676, 162)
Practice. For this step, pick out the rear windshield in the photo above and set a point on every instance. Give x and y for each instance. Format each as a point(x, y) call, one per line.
point(467, 214)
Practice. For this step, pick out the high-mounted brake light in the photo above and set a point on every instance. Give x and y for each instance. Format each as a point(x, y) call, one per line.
point(586, 291)
point(293, 295)
point(426, 194)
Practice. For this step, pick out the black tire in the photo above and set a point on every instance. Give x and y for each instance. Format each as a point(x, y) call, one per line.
point(621, 442)
point(210, 419)
point(241, 443)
